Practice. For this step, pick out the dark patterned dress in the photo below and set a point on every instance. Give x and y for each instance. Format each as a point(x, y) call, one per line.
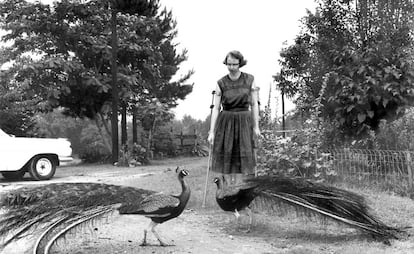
point(233, 136)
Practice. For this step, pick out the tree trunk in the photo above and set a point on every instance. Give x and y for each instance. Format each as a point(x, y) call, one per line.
point(105, 140)
point(105, 124)
point(124, 134)
point(134, 126)
point(362, 15)
point(283, 114)
point(114, 119)
point(150, 136)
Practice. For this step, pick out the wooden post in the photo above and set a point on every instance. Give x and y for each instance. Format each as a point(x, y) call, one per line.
point(410, 171)
point(195, 137)
point(182, 139)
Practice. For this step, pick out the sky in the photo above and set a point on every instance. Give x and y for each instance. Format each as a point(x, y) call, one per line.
point(210, 29)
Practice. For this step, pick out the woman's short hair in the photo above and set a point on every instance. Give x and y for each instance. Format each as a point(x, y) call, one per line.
point(236, 54)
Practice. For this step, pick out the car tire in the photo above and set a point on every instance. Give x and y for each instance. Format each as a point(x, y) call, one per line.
point(13, 175)
point(42, 167)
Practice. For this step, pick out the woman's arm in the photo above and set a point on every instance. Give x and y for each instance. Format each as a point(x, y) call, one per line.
point(214, 114)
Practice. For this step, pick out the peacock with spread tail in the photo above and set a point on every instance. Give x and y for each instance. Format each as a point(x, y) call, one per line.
point(50, 211)
point(319, 199)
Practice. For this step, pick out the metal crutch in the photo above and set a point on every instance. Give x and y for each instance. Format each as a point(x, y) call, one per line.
point(209, 154)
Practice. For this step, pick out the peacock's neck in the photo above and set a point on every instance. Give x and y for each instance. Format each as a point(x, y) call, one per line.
point(219, 185)
point(185, 191)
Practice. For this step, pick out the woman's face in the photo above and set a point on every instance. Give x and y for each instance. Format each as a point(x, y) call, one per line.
point(232, 64)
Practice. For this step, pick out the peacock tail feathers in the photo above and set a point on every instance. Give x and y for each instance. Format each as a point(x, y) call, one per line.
point(55, 209)
point(315, 199)
point(58, 228)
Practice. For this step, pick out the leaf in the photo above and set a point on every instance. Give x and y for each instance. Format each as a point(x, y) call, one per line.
point(361, 69)
point(385, 103)
point(350, 108)
point(307, 164)
point(361, 117)
point(291, 170)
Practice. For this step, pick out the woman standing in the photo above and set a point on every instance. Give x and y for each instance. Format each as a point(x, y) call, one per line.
point(234, 122)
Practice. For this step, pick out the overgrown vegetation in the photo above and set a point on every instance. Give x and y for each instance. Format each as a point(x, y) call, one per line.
point(366, 65)
point(352, 82)
point(61, 57)
point(92, 144)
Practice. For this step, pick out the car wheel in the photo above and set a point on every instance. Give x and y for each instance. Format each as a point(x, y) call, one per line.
point(14, 175)
point(42, 168)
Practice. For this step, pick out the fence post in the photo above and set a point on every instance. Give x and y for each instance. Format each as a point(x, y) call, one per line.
point(410, 171)
point(182, 139)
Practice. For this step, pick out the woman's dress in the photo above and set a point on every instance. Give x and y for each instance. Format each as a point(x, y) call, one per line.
point(233, 139)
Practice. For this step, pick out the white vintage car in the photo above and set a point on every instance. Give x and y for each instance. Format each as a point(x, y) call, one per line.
point(38, 156)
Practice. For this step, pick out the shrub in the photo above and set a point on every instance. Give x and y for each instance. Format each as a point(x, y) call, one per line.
point(164, 143)
point(133, 157)
point(93, 148)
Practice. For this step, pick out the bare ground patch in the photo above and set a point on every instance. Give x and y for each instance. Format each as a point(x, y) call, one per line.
point(210, 230)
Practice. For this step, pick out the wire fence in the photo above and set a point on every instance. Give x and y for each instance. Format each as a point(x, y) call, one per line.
point(387, 169)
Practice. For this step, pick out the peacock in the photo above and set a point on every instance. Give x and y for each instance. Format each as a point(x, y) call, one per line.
point(54, 209)
point(235, 198)
point(319, 199)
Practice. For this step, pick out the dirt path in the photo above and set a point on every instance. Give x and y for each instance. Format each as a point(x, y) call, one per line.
point(197, 230)
point(190, 233)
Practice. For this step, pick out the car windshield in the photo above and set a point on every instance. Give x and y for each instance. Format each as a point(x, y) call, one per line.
point(3, 134)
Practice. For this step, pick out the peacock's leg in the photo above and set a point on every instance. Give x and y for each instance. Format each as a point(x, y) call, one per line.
point(162, 243)
point(239, 219)
point(250, 214)
point(237, 214)
point(144, 241)
point(150, 227)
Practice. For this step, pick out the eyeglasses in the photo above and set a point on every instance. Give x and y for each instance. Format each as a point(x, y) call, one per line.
point(232, 64)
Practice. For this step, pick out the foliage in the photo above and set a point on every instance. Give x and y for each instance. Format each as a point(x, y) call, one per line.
point(143, 7)
point(164, 144)
point(397, 134)
point(17, 122)
point(16, 107)
point(139, 154)
point(133, 157)
point(93, 148)
point(367, 66)
point(55, 125)
point(71, 45)
point(298, 155)
point(265, 118)
point(155, 114)
point(86, 140)
point(200, 150)
point(293, 156)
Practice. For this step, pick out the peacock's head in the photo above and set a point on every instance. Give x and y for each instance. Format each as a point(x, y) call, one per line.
point(217, 181)
point(181, 172)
